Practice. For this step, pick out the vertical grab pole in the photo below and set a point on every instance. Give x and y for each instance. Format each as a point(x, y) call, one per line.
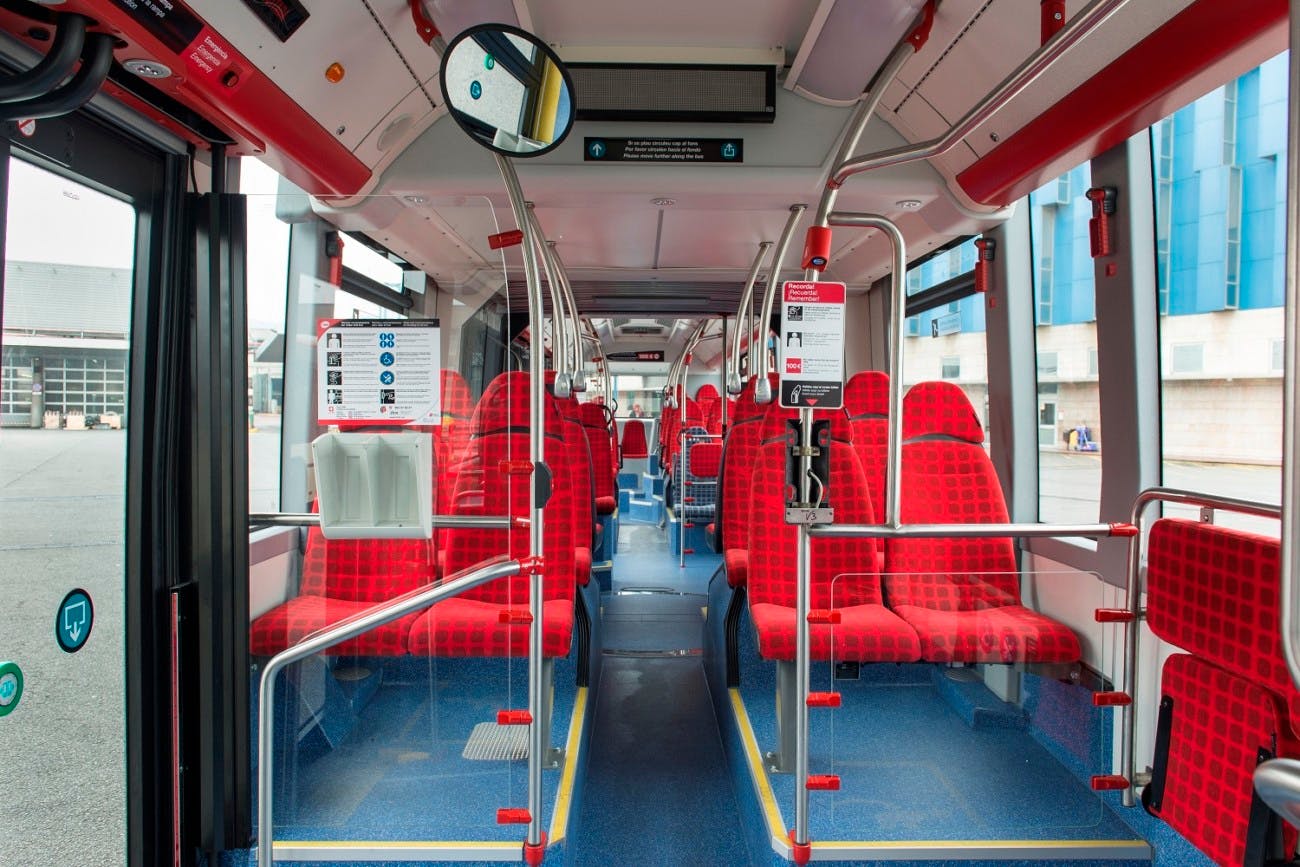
point(898, 309)
point(536, 433)
point(762, 388)
point(802, 663)
point(745, 321)
point(1290, 556)
point(579, 382)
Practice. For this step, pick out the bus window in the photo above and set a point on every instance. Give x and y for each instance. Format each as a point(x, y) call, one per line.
point(1069, 416)
point(268, 269)
point(1220, 176)
point(947, 342)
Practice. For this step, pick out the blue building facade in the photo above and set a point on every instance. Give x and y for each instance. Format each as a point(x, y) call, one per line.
point(1219, 167)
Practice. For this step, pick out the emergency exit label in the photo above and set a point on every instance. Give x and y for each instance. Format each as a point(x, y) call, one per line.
point(378, 371)
point(812, 345)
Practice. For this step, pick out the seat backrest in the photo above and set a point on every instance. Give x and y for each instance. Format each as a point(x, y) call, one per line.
point(452, 436)
point(486, 487)
point(948, 478)
point(704, 460)
point(363, 570)
point(604, 470)
point(866, 399)
point(581, 465)
point(706, 392)
point(1214, 592)
point(846, 566)
point(634, 442)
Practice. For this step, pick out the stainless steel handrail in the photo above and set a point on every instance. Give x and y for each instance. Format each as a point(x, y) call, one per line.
point(1128, 675)
point(758, 356)
point(897, 317)
point(965, 531)
point(1021, 77)
point(745, 318)
point(1290, 620)
point(440, 522)
point(358, 624)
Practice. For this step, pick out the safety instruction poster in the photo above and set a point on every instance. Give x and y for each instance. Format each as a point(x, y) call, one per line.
point(812, 345)
point(378, 371)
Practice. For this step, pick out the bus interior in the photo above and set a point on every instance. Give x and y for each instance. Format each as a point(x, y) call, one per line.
point(572, 433)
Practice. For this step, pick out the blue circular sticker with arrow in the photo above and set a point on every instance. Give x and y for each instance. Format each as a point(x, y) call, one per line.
point(475, 90)
point(74, 620)
point(11, 687)
point(386, 377)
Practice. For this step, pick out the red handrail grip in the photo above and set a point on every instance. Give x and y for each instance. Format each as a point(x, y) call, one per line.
point(1111, 699)
point(514, 718)
point(1113, 615)
point(1108, 782)
point(1123, 530)
point(921, 34)
point(824, 699)
point(824, 615)
point(515, 615)
point(514, 816)
point(823, 783)
point(516, 468)
point(510, 238)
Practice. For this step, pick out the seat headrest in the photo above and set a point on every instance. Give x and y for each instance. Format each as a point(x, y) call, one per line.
point(867, 393)
point(706, 392)
point(505, 405)
point(940, 408)
point(592, 415)
point(457, 401)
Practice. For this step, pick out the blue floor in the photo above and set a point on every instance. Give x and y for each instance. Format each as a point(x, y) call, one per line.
point(657, 788)
point(399, 774)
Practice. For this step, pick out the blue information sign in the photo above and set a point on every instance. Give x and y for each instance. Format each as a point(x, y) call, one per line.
point(73, 622)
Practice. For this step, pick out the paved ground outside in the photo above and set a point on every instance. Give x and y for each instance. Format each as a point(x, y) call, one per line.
point(62, 767)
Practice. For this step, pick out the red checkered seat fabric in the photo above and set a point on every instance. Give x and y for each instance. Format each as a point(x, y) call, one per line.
point(739, 456)
point(603, 459)
point(844, 571)
point(471, 624)
point(340, 578)
point(866, 400)
point(584, 500)
point(706, 392)
point(449, 442)
point(1214, 592)
point(634, 442)
point(962, 595)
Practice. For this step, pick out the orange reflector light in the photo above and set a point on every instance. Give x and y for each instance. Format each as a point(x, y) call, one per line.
point(334, 72)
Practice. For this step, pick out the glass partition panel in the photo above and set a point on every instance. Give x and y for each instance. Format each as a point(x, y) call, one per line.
point(963, 709)
point(394, 736)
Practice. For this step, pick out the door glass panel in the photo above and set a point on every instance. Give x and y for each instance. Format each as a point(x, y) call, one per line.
point(67, 323)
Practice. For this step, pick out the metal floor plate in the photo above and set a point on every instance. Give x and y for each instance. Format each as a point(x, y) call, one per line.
point(491, 742)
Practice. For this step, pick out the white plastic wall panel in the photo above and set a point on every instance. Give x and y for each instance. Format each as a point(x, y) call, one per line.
point(375, 80)
point(711, 23)
point(851, 45)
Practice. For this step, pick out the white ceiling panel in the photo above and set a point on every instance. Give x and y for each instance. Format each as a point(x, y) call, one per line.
point(675, 23)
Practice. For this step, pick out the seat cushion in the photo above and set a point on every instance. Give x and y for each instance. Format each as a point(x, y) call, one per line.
point(289, 623)
point(469, 627)
point(1012, 633)
point(865, 633)
point(606, 505)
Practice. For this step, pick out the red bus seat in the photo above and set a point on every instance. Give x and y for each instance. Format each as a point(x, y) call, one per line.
point(961, 594)
point(739, 457)
point(471, 624)
point(845, 572)
point(866, 400)
point(634, 442)
point(604, 469)
point(1228, 701)
point(340, 578)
